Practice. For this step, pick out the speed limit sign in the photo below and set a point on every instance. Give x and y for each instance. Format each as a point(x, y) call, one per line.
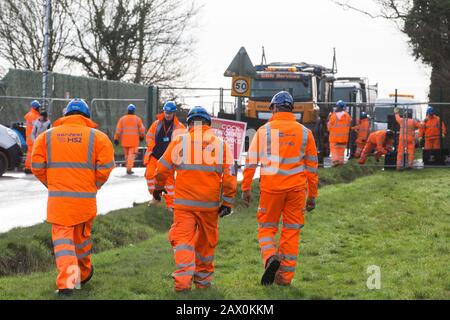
point(241, 87)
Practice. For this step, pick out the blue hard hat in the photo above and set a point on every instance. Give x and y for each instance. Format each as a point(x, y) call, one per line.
point(341, 104)
point(198, 112)
point(170, 107)
point(364, 115)
point(131, 108)
point(430, 110)
point(78, 105)
point(35, 105)
point(282, 99)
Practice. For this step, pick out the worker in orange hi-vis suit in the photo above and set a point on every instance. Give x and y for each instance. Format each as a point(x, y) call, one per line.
point(204, 191)
point(73, 160)
point(161, 133)
point(430, 129)
point(289, 181)
point(339, 127)
point(30, 118)
point(363, 130)
point(407, 139)
point(382, 141)
point(129, 131)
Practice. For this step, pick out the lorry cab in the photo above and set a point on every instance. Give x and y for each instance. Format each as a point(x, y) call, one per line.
point(384, 109)
point(10, 149)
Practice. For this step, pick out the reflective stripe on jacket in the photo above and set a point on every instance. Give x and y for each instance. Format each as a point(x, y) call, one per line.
point(288, 156)
point(129, 129)
point(378, 139)
point(407, 128)
point(204, 166)
point(430, 128)
point(73, 160)
point(339, 127)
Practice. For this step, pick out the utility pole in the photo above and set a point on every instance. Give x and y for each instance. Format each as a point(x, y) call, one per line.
point(47, 22)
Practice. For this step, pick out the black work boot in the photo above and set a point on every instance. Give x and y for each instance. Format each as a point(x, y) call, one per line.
point(89, 277)
point(272, 266)
point(64, 292)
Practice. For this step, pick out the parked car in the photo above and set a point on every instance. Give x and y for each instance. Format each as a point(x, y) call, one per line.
point(10, 149)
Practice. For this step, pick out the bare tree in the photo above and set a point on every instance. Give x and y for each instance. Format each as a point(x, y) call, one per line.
point(22, 33)
point(141, 41)
point(426, 23)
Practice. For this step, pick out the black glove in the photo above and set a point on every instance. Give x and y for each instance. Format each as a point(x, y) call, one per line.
point(116, 142)
point(157, 194)
point(224, 211)
point(310, 204)
point(141, 139)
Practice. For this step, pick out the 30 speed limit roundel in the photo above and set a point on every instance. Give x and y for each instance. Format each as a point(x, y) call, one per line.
point(241, 86)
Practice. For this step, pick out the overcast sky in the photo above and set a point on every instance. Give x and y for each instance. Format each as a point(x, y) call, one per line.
point(307, 30)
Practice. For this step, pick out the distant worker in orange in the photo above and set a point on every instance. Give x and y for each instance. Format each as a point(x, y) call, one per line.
point(205, 190)
point(30, 118)
point(363, 130)
point(73, 160)
point(431, 131)
point(289, 180)
point(129, 131)
point(339, 127)
point(407, 139)
point(381, 141)
point(159, 136)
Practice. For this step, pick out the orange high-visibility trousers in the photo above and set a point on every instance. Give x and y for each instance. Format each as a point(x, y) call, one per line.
point(359, 148)
point(410, 150)
point(194, 237)
point(337, 152)
point(72, 247)
point(432, 144)
point(290, 207)
point(28, 156)
point(130, 155)
point(170, 183)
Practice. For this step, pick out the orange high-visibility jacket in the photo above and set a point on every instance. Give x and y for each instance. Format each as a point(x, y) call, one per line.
point(378, 138)
point(154, 130)
point(339, 128)
point(73, 160)
point(204, 165)
point(129, 129)
point(363, 129)
point(431, 128)
point(30, 117)
point(407, 128)
point(288, 156)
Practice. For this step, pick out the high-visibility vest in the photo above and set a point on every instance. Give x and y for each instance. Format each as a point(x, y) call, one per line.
point(204, 167)
point(363, 129)
point(407, 128)
point(30, 118)
point(378, 139)
point(339, 127)
point(128, 130)
point(287, 153)
point(431, 128)
point(154, 130)
point(73, 160)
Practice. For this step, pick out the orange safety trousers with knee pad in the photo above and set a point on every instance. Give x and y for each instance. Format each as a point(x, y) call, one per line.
point(152, 164)
point(72, 247)
point(194, 236)
point(289, 206)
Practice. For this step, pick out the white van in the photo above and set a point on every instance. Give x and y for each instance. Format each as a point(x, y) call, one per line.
point(10, 149)
point(385, 107)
